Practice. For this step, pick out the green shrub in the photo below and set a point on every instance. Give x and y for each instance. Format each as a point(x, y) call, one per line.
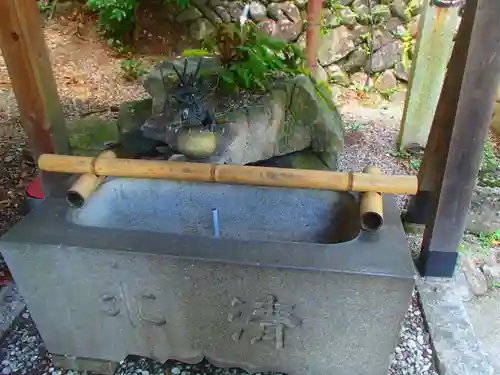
point(408, 44)
point(132, 69)
point(117, 17)
point(45, 5)
point(251, 58)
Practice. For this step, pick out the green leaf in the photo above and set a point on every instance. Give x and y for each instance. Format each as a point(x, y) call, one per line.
point(227, 77)
point(118, 14)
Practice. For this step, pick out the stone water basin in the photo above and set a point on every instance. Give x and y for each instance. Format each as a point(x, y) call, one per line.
point(291, 285)
point(248, 214)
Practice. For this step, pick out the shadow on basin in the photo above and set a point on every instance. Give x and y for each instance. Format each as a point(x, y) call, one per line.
point(245, 212)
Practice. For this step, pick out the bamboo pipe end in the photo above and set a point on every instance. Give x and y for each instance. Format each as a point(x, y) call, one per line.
point(86, 184)
point(372, 221)
point(371, 206)
point(75, 198)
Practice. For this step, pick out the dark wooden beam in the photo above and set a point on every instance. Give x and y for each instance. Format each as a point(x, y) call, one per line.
point(27, 59)
point(455, 146)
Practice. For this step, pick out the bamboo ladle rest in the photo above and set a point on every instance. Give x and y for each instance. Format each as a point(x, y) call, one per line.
point(107, 165)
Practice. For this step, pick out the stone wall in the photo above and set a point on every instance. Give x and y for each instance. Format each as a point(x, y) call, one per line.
point(345, 46)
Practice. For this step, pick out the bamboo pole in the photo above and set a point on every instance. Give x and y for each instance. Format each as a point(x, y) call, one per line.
point(314, 9)
point(86, 184)
point(230, 174)
point(371, 207)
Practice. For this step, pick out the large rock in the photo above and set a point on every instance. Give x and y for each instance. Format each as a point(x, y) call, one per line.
point(360, 80)
point(402, 73)
point(386, 57)
point(214, 3)
point(313, 108)
point(223, 13)
point(321, 75)
point(296, 114)
point(381, 13)
point(258, 11)
point(363, 14)
point(395, 27)
point(348, 17)
point(382, 38)
point(189, 14)
point(331, 19)
point(386, 82)
point(357, 3)
point(336, 44)
point(161, 78)
point(305, 159)
point(131, 116)
point(201, 29)
point(291, 11)
point(293, 116)
point(393, 23)
point(288, 31)
point(398, 8)
point(337, 75)
point(88, 136)
point(289, 23)
point(210, 14)
point(484, 213)
point(301, 4)
point(360, 33)
point(236, 10)
point(274, 11)
point(354, 61)
point(268, 27)
point(301, 41)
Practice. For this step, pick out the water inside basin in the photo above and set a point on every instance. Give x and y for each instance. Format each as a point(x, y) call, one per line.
point(244, 212)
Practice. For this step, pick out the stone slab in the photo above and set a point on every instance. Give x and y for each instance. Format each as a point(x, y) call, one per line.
point(458, 350)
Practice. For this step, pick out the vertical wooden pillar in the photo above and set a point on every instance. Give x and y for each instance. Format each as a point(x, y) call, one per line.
point(432, 53)
point(454, 150)
point(27, 59)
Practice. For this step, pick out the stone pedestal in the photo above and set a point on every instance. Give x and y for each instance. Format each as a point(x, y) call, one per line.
point(291, 284)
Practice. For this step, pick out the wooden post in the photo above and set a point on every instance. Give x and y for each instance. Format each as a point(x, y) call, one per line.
point(454, 150)
point(27, 59)
point(434, 44)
